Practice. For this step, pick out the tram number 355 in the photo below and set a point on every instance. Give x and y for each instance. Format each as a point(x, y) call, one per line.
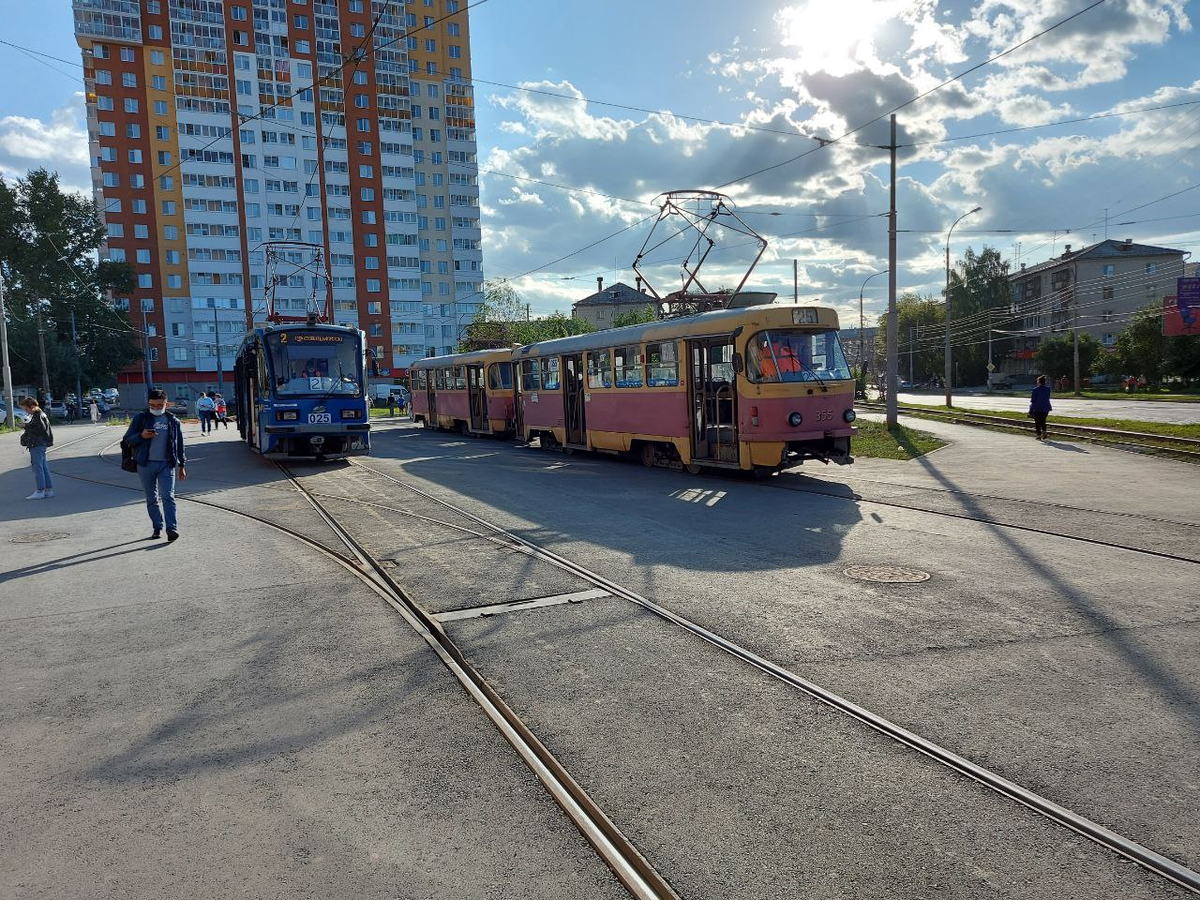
point(824, 415)
point(319, 419)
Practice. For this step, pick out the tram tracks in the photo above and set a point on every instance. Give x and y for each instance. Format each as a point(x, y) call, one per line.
point(630, 867)
point(1061, 815)
point(627, 863)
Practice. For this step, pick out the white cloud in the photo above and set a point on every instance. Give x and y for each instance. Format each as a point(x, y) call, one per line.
point(59, 143)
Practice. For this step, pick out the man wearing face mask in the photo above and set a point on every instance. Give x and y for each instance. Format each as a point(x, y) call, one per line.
point(157, 441)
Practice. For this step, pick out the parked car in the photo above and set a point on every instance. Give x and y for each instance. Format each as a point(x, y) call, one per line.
point(112, 398)
point(21, 416)
point(178, 408)
point(57, 409)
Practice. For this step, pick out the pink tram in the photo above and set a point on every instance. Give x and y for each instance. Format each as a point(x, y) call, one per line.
point(758, 389)
point(467, 392)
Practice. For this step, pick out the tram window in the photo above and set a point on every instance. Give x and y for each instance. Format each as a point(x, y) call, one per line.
point(448, 379)
point(264, 380)
point(550, 381)
point(420, 376)
point(460, 378)
point(629, 366)
point(439, 379)
point(315, 362)
point(531, 376)
point(720, 364)
point(796, 355)
point(662, 365)
point(599, 369)
point(500, 376)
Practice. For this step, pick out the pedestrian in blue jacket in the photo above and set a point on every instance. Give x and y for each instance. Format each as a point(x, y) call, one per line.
point(1039, 407)
point(156, 438)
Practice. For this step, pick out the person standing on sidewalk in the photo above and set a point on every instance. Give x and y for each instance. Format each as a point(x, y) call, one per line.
point(94, 412)
point(205, 408)
point(157, 441)
point(1039, 407)
point(38, 437)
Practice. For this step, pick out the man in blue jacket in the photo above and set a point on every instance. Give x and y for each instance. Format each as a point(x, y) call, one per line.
point(156, 438)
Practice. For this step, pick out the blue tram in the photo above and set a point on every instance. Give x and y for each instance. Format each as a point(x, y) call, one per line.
point(301, 391)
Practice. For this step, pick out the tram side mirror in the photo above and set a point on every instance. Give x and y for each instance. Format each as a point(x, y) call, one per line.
point(737, 363)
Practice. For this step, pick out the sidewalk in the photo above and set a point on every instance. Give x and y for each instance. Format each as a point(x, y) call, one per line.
point(1055, 471)
point(233, 714)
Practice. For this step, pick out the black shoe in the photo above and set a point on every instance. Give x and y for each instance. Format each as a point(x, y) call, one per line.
point(172, 536)
point(157, 534)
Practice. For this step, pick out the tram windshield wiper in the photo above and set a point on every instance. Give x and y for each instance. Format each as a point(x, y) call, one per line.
point(820, 380)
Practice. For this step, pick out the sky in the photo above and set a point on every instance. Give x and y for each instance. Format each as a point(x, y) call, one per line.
point(588, 112)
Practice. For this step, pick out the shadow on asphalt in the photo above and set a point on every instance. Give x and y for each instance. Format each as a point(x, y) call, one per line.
point(1184, 702)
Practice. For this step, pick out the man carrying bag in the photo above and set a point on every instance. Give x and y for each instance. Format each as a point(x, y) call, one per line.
point(155, 442)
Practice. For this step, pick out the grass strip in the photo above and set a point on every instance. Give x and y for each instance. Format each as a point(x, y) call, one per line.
point(876, 440)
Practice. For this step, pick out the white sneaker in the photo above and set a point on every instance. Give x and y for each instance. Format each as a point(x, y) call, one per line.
point(37, 495)
point(49, 493)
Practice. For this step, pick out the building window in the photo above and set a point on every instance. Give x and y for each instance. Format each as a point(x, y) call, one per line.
point(162, 133)
point(160, 107)
point(372, 285)
point(174, 281)
point(99, 51)
point(112, 179)
point(103, 76)
point(104, 104)
point(239, 39)
point(1150, 267)
point(1108, 339)
point(133, 130)
point(237, 13)
point(302, 22)
point(363, 125)
point(180, 354)
point(131, 105)
point(145, 280)
point(455, 51)
point(126, 54)
point(158, 82)
point(1110, 269)
point(155, 32)
point(156, 57)
point(143, 257)
point(141, 232)
point(374, 307)
point(153, 350)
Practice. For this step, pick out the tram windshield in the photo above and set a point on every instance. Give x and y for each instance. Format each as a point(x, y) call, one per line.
point(315, 362)
point(792, 354)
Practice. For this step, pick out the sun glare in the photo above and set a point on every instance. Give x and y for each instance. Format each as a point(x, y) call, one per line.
point(834, 36)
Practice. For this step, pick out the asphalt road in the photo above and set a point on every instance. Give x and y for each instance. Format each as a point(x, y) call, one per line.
point(278, 725)
point(1078, 407)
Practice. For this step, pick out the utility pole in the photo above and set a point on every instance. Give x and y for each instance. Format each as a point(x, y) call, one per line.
point(892, 324)
point(912, 341)
point(217, 345)
point(146, 346)
point(78, 380)
point(862, 348)
point(8, 387)
point(796, 283)
point(1075, 330)
point(42, 354)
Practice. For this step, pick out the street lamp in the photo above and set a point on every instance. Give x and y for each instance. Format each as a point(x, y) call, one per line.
point(949, 379)
point(862, 350)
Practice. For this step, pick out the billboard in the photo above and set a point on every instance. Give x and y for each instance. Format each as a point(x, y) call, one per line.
point(1181, 312)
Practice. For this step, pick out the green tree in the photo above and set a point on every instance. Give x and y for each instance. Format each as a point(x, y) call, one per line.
point(978, 287)
point(503, 320)
point(1141, 348)
point(1056, 356)
point(48, 241)
point(918, 317)
point(1183, 357)
point(636, 316)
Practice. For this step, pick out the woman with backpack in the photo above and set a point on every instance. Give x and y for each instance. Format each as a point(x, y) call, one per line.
point(38, 437)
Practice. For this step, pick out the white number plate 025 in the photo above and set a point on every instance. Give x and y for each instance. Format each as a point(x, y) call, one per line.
point(319, 419)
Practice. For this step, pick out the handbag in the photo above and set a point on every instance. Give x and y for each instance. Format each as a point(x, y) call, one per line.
point(128, 463)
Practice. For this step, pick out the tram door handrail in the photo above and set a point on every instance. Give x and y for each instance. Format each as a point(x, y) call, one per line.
point(477, 397)
point(574, 400)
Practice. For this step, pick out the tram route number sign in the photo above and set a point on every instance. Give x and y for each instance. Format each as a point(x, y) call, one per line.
point(319, 418)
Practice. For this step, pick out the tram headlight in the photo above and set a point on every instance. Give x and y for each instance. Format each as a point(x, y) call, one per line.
point(286, 415)
point(795, 419)
point(849, 415)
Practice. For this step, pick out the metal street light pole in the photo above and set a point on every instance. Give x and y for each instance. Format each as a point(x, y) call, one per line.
point(862, 348)
point(892, 318)
point(949, 370)
point(217, 346)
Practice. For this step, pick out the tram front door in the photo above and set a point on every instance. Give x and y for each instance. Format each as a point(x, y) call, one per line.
point(713, 400)
point(477, 396)
point(431, 394)
point(573, 399)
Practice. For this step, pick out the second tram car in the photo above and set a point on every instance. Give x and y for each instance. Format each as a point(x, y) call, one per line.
point(301, 391)
point(757, 388)
point(467, 392)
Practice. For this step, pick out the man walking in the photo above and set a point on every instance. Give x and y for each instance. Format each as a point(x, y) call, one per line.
point(205, 409)
point(156, 438)
point(1039, 407)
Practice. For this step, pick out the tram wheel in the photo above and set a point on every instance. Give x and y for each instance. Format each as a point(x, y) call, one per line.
point(692, 468)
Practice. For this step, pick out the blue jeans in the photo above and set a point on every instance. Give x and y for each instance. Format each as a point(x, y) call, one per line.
point(205, 420)
point(41, 469)
point(158, 479)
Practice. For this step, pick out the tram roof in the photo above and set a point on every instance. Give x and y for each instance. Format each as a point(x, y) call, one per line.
point(714, 322)
point(459, 359)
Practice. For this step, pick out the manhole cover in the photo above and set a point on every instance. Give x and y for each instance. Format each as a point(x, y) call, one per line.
point(36, 537)
point(887, 574)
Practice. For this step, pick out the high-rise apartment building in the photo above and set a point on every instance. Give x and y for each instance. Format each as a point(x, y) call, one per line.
point(218, 125)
